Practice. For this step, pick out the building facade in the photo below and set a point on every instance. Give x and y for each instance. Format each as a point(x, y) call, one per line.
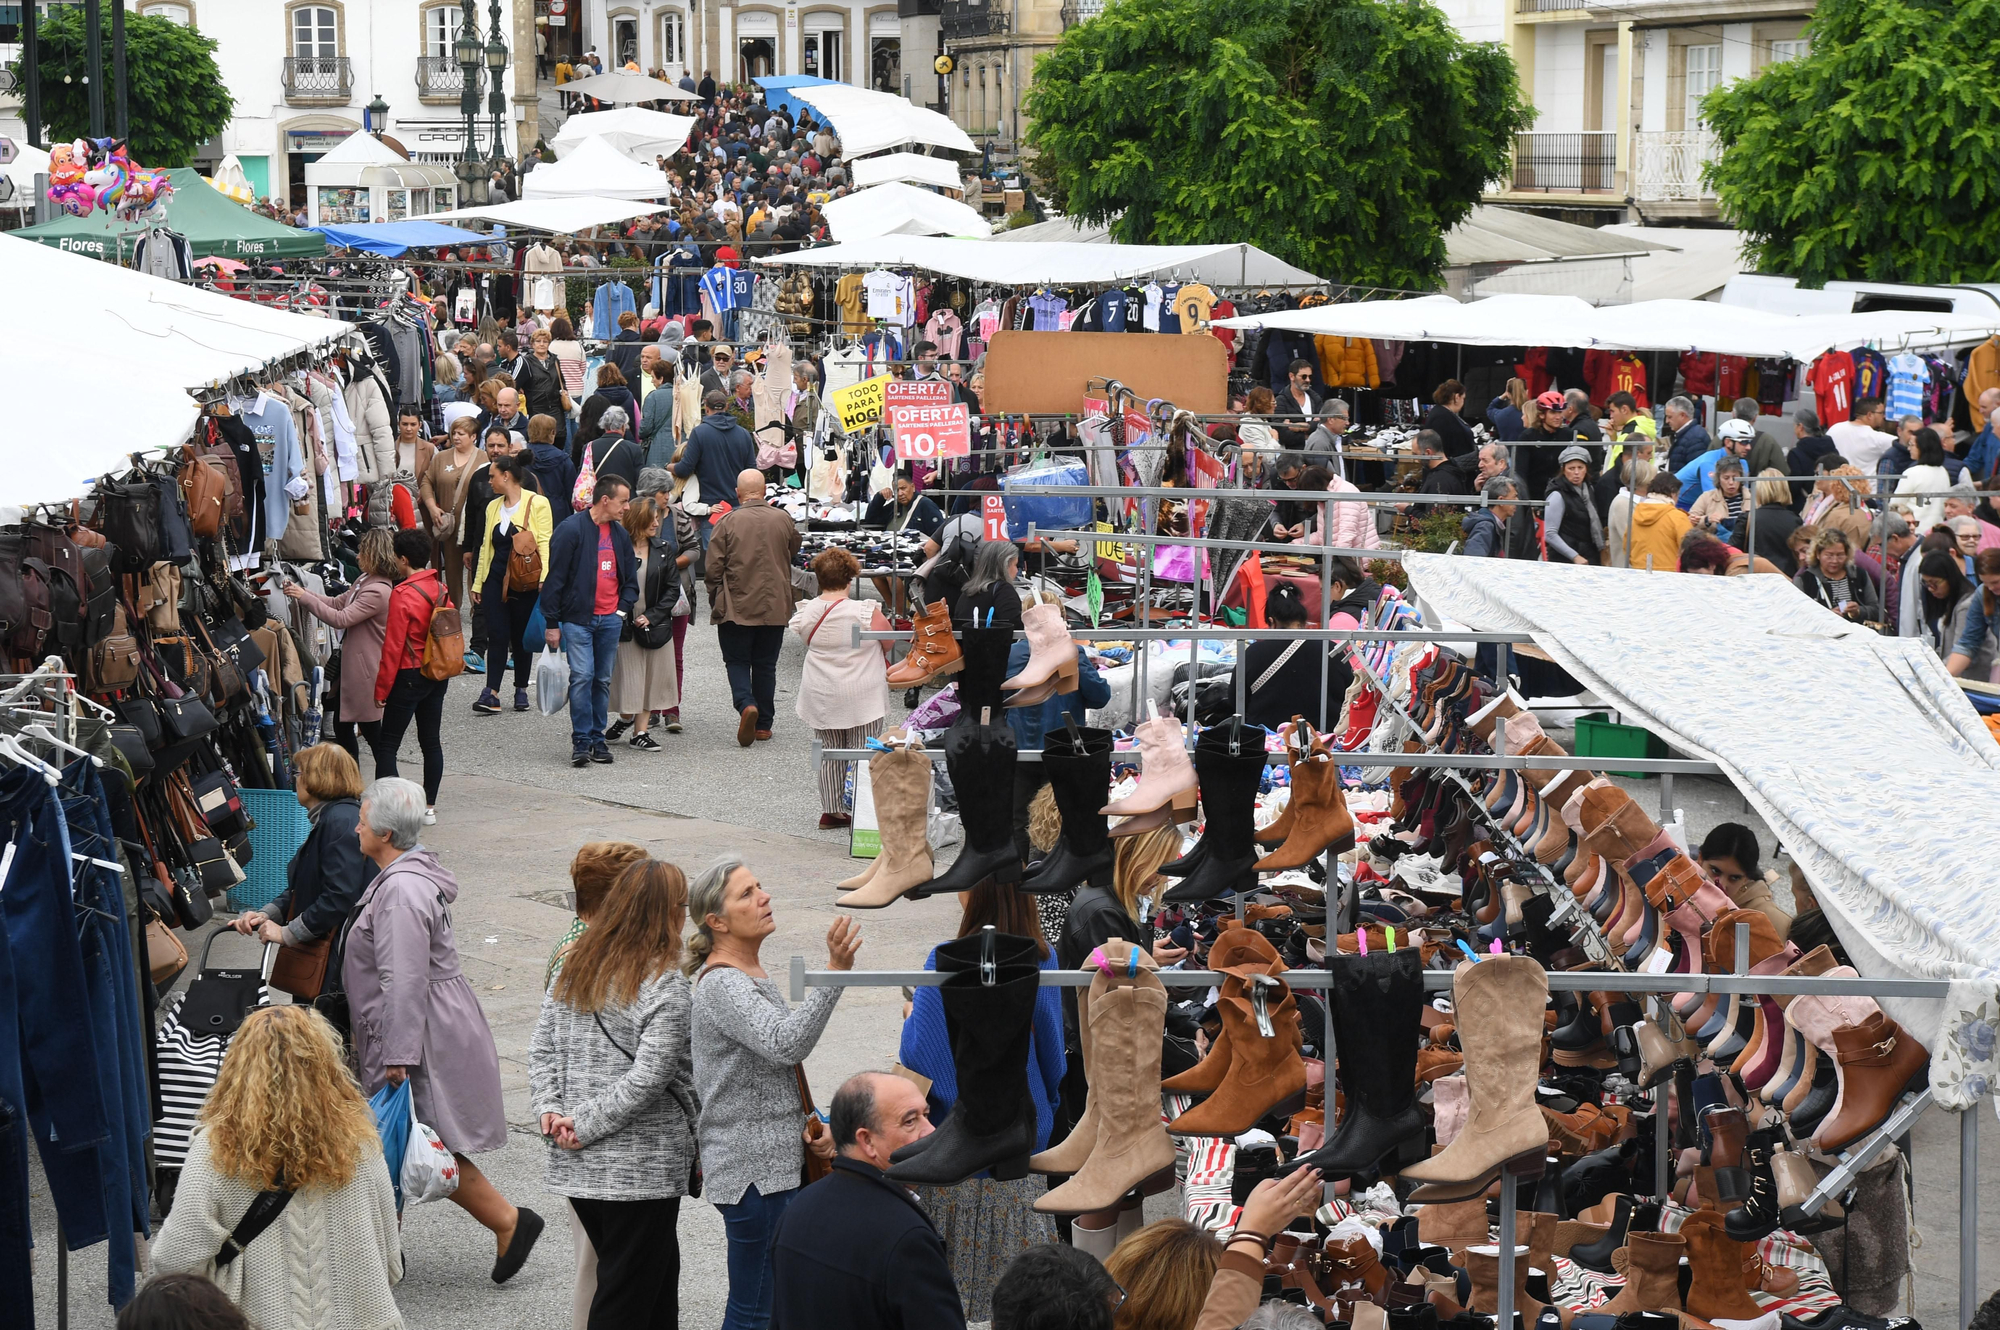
point(858, 43)
point(1617, 89)
point(994, 46)
point(303, 71)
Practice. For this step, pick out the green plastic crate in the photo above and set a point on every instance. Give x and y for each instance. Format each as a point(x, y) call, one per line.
point(1597, 735)
point(280, 829)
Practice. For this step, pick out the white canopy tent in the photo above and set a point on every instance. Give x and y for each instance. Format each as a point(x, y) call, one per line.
point(594, 169)
point(168, 338)
point(1071, 263)
point(913, 167)
point(562, 216)
point(1905, 901)
point(899, 209)
point(866, 121)
point(625, 86)
point(632, 130)
point(1653, 325)
point(20, 173)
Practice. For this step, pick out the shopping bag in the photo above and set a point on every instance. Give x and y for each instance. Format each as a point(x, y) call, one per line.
point(1047, 512)
point(429, 1172)
point(551, 682)
point(391, 1107)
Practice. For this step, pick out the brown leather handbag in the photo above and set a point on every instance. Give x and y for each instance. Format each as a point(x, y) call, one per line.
point(206, 490)
point(814, 1168)
point(165, 955)
point(301, 970)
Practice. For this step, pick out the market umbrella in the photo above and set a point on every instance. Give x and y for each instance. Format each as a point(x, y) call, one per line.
point(633, 130)
point(624, 87)
point(212, 222)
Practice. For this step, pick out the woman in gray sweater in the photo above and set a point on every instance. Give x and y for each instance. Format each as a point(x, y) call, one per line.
point(612, 1082)
point(749, 1044)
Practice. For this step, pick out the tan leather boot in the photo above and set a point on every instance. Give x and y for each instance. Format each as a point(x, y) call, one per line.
point(1126, 1023)
point(1483, 1265)
point(1879, 1060)
point(1319, 817)
point(1716, 1294)
point(1265, 1070)
point(901, 784)
point(1498, 1002)
point(934, 652)
point(1652, 1266)
point(1238, 952)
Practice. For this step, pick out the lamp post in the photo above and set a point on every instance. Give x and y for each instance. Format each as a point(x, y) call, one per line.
point(377, 112)
point(496, 88)
point(465, 52)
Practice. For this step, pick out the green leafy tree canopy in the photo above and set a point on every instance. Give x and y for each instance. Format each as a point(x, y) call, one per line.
point(1874, 157)
point(175, 100)
point(1344, 136)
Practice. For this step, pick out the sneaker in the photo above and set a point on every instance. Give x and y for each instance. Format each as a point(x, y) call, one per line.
point(673, 722)
point(430, 817)
point(520, 699)
point(618, 727)
point(579, 757)
point(746, 727)
point(601, 755)
point(488, 703)
point(645, 743)
point(474, 663)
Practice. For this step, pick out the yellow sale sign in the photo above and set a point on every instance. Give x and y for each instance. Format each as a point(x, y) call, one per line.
point(860, 405)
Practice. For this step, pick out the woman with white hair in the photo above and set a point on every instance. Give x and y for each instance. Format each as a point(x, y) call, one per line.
point(614, 452)
point(414, 1015)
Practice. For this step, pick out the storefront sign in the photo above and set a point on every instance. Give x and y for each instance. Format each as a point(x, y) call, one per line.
point(859, 405)
point(917, 392)
point(994, 509)
point(316, 140)
point(927, 432)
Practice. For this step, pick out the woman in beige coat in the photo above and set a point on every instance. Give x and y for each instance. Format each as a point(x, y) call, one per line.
point(361, 613)
point(844, 688)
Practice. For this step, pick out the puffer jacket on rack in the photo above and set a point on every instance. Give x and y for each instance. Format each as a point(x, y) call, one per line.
point(1347, 362)
point(374, 425)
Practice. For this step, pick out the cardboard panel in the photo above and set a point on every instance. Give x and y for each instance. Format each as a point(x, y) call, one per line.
point(1046, 371)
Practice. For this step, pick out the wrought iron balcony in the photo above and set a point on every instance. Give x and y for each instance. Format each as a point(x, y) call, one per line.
point(1584, 163)
point(319, 80)
point(1666, 166)
point(961, 19)
point(1547, 6)
point(440, 79)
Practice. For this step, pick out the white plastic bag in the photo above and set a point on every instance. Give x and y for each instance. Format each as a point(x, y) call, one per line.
point(551, 682)
point(429, 1172)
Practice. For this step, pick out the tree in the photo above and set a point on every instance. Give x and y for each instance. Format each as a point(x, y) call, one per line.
point(1343, 136)
point(175, 101)
point(1875, 156)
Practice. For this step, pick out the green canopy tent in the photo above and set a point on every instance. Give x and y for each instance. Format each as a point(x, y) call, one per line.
point(213, 222)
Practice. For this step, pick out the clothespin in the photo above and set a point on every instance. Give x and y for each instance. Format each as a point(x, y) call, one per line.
point(1469, 952)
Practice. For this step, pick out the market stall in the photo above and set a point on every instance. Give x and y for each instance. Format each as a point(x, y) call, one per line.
point(211, 223)
point(394, 238)
point(866, 121)
point(362, 179)
point(895, 208)
point(1058, 264)
point(911, 167)
point(568, 215)
point(594, 168)
point(633, 130)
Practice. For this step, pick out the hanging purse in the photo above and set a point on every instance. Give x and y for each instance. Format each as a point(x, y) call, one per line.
point(184, 719)
point(221, 805)
point(166, 957)
point(301, 970)
point(141, 714)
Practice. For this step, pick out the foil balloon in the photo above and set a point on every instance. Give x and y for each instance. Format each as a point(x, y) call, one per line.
point(68, 188)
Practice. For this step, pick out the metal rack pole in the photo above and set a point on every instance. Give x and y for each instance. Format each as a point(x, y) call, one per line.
point(1968, 1215)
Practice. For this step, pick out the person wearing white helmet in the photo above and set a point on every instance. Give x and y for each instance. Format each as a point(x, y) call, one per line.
point(1698, 476)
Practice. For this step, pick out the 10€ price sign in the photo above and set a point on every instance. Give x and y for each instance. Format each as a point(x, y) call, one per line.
point(930, 431)
point(993, 509)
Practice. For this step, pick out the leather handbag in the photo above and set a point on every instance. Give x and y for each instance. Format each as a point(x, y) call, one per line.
point(813, 1168)
point(165, 956)
point(220, 803)
point(113, 664)
point(186, 664)
point(186, 718)
point(205, 489)
point(132, 746)
point(143, 715)
point(129, 513)
point(301, 970)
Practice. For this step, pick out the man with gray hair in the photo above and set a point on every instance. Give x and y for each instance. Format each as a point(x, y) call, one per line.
point(1484, 528)
point(1325, 440)
point(1686, 438)
point(856, 1251)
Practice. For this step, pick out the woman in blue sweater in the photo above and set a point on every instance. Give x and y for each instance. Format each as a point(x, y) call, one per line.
point(985, 1223)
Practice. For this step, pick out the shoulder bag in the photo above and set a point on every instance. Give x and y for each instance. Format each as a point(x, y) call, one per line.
point(813, 1168)
point(524, 561)
point(264, 1210)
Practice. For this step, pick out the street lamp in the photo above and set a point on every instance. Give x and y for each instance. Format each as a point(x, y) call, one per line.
point(496, 88)
point(465, 53)
point(377, 115)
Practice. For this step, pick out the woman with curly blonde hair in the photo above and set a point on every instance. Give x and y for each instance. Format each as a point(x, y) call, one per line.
point(286, 1116)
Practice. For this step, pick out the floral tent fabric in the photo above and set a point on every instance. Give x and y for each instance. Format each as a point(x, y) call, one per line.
point(1858, 750)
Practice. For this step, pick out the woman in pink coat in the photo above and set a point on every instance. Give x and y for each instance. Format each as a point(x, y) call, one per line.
point(1348, 526)
point(362, 615)
point(414, 1014)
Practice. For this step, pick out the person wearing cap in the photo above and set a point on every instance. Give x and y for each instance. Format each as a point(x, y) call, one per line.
point(1571, 528)
point(1698, 476)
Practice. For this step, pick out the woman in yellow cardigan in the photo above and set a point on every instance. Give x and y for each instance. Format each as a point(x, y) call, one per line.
point(514, 508)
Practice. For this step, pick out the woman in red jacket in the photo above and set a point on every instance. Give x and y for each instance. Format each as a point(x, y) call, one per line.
point(400, 685)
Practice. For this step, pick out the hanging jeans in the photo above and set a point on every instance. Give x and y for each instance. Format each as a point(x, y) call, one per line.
point(16, 1239)
point(752, 1225)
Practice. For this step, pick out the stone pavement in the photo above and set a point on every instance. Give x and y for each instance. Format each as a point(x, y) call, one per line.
point(512, 813)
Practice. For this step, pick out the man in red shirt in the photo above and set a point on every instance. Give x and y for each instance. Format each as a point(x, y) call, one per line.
point(591, 583)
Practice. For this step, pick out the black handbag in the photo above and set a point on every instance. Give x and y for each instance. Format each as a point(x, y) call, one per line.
point(132, 746)
point(141, 714)
point(130, 515)
point(191, 907)
point(221, 805)
point(218, 1000)
point(184, 719)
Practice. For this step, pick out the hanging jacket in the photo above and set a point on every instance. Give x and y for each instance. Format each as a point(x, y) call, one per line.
point(610, 300)
point(1347, 362)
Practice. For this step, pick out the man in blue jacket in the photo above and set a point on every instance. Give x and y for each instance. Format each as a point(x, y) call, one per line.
point(590, 585)
point(1031, 723)
point(1686, 440)
point(718, 450)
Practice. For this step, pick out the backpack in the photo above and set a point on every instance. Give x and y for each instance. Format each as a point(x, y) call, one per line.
point(524, 556)
point(444, 642)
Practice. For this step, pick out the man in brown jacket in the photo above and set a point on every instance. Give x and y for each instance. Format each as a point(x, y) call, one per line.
point(750, 592)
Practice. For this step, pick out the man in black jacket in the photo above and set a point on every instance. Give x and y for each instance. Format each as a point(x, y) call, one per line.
point(587, 590)
point(1298, 399)
point(855, 1251)
point(1443, 475)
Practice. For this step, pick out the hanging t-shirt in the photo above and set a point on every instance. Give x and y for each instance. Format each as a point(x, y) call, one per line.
point(1909, 379)
point(1832, 382)
point(1111, 310)
point(1628, 375)
point(1170, 322)
point(1154, 298)
point(890, 295)
point(1871, 374)
point(850, 298)
point(1225, 309)
point(607, 573)
point(716, 288)
point(1048, 310)
point(1192, 304)
point(742, 288)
